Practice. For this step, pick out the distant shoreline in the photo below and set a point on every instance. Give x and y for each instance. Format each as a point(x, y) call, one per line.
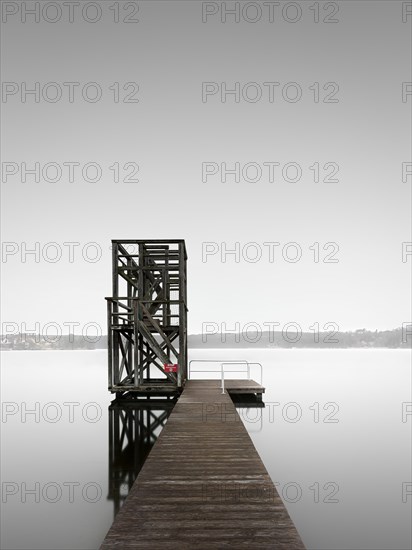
point(219, 349)
point(399, 338)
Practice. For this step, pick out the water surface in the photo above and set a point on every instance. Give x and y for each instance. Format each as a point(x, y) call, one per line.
point(331, 436)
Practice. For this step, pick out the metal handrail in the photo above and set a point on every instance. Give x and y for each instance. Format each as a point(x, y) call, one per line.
point(222, 363)
point(223, 372)
point(232, 361)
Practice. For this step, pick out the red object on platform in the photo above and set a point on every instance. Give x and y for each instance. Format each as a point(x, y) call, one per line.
point(170, 367)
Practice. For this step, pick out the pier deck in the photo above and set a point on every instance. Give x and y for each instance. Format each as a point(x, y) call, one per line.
point(203, 485)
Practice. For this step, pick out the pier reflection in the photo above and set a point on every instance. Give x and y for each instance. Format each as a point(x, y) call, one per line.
point(134, 427)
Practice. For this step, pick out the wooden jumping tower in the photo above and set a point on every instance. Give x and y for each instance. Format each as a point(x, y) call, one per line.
point(147, 318)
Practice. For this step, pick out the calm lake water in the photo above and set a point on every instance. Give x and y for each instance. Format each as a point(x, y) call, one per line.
point(335, 436)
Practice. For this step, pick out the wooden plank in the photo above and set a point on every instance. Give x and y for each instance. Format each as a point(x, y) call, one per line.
point(203, 485)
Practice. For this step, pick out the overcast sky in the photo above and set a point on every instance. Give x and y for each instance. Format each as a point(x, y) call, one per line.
point(308, 92)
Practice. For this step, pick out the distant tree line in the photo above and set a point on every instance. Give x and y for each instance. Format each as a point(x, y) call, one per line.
point(361, 338)
point(59, 342)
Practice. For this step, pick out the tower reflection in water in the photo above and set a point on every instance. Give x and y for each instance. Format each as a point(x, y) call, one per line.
point(134, 427)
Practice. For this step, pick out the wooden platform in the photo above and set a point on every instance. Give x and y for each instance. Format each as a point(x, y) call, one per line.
point(160, 388)
point(203, 485)
point(234, 386)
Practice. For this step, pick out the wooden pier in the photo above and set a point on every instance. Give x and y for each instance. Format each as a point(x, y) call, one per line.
point(203, 485)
